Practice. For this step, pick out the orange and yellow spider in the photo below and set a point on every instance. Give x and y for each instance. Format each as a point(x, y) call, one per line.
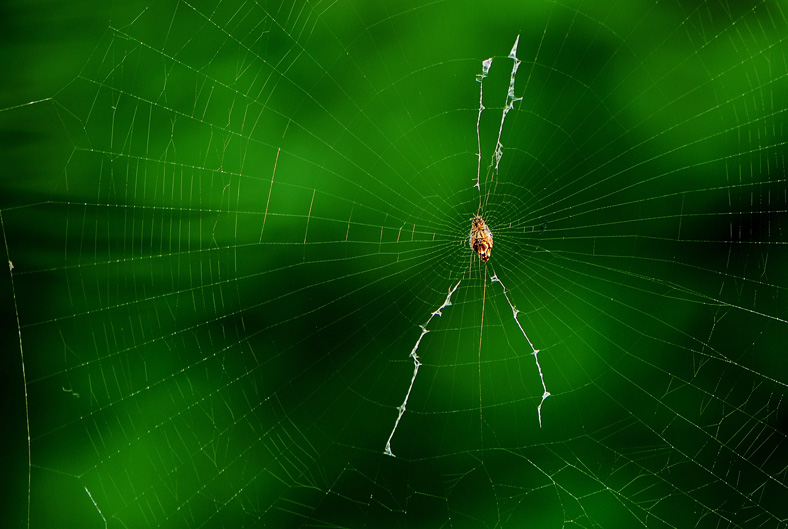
point(481, 238)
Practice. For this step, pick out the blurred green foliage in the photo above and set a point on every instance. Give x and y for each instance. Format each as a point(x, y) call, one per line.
point(227, 221)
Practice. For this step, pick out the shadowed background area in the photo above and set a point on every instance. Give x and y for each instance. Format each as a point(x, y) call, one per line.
point(227, 222)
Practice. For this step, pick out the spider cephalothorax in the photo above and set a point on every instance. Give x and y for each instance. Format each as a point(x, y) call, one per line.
point(481, 238)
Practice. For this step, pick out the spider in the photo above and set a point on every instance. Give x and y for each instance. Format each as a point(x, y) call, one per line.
point(481, 242)
point(481, 238)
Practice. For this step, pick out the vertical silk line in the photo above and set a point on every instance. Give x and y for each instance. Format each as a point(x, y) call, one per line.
point(267, 202)
point(24, 374)
point(481, 332)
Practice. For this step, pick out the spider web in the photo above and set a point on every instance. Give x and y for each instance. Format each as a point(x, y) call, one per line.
point(234, 217)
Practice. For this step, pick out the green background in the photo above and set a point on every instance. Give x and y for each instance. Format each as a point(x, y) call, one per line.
point(227, 221)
